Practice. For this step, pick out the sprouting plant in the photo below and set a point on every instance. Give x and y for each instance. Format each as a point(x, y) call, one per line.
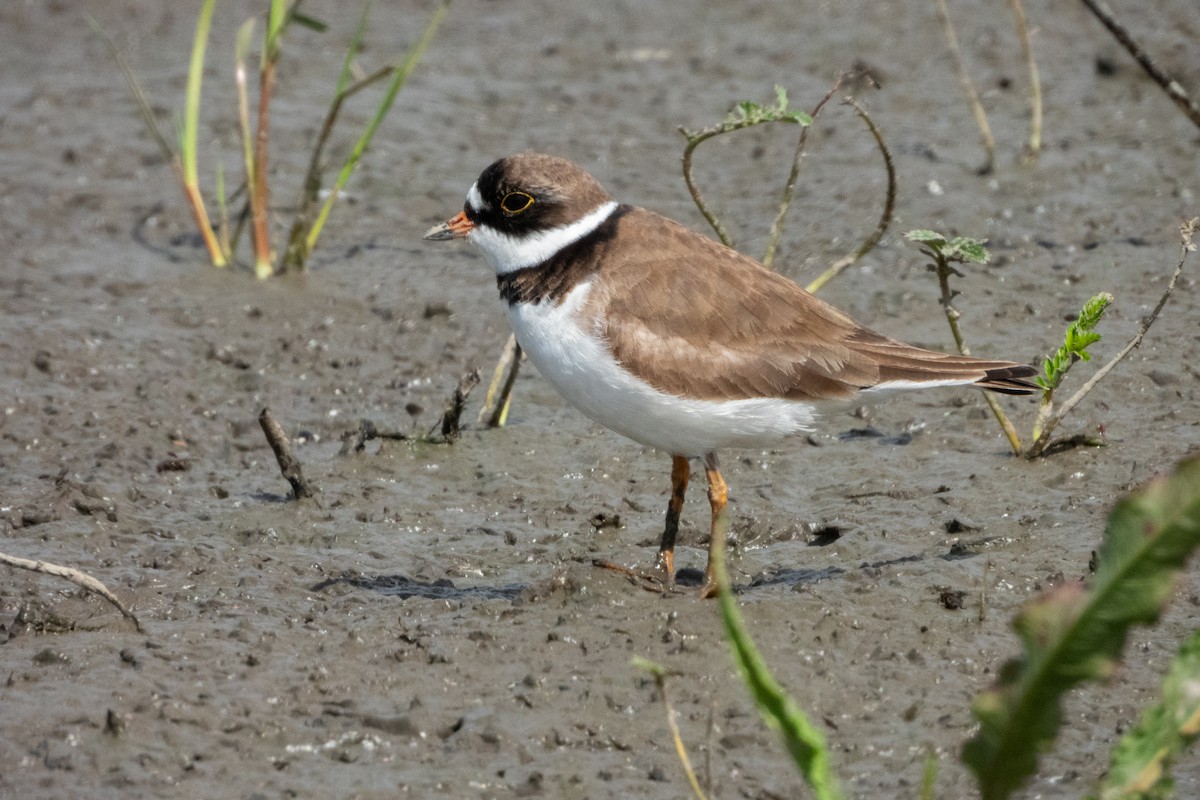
point(946, 252)
point(255, 133)
point(1079, 336)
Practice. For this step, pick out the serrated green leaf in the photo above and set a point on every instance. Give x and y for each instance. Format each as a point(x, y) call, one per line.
point(926, 237)
point(1073, 633)
point(1078, 337)
point(970, 250)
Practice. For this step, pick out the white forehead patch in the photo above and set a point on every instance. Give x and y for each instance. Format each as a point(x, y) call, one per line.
point(475, 199)
point(509, 253)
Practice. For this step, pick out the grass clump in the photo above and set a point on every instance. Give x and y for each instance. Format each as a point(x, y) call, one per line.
point(221, 239)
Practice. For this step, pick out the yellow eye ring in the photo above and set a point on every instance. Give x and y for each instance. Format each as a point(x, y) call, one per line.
point(516, 202)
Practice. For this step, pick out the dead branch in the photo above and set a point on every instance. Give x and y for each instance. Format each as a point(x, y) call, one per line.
point(1168, 84)
point(80, 579)
point(450, 424)
point(289, 466)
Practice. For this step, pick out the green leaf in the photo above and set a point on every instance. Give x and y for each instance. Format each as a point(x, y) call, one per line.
point(748, 113)
point(960, 249)
point(971, 250)
point(1141, 760)
point(803, 740)
point(1073, 633)
point(921, 236)
point(191, 105)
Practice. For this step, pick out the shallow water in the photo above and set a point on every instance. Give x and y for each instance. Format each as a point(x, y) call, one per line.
point(432, 625)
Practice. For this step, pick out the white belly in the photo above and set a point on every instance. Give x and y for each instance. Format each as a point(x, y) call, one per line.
point(579, 365)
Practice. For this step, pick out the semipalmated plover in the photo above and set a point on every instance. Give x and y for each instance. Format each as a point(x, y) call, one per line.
point(671, 338)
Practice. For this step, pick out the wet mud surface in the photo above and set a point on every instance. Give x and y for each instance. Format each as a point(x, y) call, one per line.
point(432, 626)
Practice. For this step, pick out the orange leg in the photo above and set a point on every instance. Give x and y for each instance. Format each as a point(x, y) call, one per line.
point(718, 497)
point(664, 565)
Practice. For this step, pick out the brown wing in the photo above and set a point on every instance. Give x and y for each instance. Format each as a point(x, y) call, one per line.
point(694, 318)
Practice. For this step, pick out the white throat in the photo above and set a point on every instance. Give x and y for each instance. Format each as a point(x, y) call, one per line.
point(510, 253)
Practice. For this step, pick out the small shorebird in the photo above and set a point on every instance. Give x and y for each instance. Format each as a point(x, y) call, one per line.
point(671, 338)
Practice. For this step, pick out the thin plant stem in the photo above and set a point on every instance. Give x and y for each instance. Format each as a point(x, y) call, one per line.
point(944, 271)
point(660, 680)
point(885, 219)
point(789, 188)
point(1035, 81)
point(399, 77)
point(985, 130)
point(1169, 85)
point(260, 193)
point(75, 576)
point(297, 252)
point(689, 150)
point(1187, 232)
point(241, 48)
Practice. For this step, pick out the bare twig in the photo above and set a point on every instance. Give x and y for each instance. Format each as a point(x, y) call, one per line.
point(885, 219)
point(1035, 81)
point(985, 130)
point(450, 424)
point(81, 579)
point(1187, 232)
point(282, 447)
point(1168, 84)
point(660, 680)
point(356, 441)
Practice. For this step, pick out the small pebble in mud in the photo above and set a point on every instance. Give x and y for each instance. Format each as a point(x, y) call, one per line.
point(952, 599)
point(114, 723)
point(47, 657)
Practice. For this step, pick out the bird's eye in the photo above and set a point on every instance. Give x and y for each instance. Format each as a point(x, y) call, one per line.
point(516, 202)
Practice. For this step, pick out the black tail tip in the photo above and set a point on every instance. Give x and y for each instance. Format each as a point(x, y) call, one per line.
point(1010, 380)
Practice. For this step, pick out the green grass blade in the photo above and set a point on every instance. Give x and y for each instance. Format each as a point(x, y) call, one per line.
point(353, 50)
point(1141, 761)
point(1072, 633)
point(245, 36)
point(385, 105)
point(803, 741)
point(135, 88)
point(277, 18)
point(191, 106)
